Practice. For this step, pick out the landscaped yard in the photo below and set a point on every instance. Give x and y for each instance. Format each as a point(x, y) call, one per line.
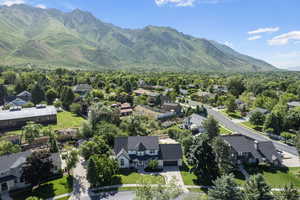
point(132, 177)
point(225, 131)
point(235, 115)
point(46, 190)
point(278, 178)
point(67, 120)
point(249, 125)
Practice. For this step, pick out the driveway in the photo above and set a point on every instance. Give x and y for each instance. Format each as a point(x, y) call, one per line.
point(171, 173)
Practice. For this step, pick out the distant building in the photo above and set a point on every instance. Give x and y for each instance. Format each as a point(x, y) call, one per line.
point(166, 116)
point(17, 102)
point(25, 95)
point(194, 123)
point(172, 107)
point(17, 117)
point(245, 150)
point(82, 89)
point(261, 110)
point(293, 104)
point(11, 170)
point(137, 151)
point(125, 109)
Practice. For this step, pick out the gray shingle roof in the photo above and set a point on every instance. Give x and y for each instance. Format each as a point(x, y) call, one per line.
point(27, 113)
point(134, 142)
point(13, 160)
point(294, 104)
point(196, 119)
point(265, 149)
point(24, 94)
point(170, 151)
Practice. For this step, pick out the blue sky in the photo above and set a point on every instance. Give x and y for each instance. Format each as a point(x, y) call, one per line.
point(265, 29)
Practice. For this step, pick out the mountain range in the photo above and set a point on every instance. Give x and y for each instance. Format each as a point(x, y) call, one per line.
point(49, 37)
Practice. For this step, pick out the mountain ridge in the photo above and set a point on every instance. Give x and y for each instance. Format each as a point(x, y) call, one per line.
point(50, 37)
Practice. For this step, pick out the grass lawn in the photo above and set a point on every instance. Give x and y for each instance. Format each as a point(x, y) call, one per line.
point(278, 177)
point(67, 120)
point(46, 190)
point(235, 115)
point(225, 131)
point(132, 177)
point(251, 126)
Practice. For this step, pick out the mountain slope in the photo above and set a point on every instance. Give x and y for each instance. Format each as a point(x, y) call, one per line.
point(47, 37)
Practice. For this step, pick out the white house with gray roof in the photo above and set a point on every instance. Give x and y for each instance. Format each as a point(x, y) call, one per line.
point(194, 123)
point(11, 169)
point(137, 151)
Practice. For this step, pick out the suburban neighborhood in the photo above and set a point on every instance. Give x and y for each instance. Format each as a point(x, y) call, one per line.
point(90, 140)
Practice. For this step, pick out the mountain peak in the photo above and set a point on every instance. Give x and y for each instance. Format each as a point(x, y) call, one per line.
point(78, 39)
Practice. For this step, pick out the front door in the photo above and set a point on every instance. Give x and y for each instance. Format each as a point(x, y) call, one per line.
point(4, 187)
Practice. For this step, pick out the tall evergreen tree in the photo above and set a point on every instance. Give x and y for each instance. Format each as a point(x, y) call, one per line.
point(225, 188)
point(211, 127)
point(289, 192)
point(38, 94)
point(256, 188)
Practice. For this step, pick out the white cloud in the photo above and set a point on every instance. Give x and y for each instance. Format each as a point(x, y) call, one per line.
point(41, 6)
point(11, 2)
point(264, 30)
point(285, 38)
point(180, 3)
point(256, 37)
point(230, 44)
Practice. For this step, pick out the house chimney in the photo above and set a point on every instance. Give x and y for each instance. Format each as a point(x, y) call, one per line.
point(256, 144)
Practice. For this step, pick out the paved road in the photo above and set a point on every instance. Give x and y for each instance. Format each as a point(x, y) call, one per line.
point(228, 123)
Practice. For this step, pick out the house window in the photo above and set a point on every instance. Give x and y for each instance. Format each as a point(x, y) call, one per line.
point(122, 162)
point(140, 153)
point(152, 151)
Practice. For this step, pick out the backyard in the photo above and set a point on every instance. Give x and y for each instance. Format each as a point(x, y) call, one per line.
point(46, 190)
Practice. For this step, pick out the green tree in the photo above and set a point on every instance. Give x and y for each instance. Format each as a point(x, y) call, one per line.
point(38, 94)
point(6, 147)
point(274, 122)
point(75, 108)
point(108, 132)
point(230, 104)
point(202, 158)
point(152, 164)
point(235, 86)
point(53, 145)
point(95, 146)
point(223, 155)
point(38, 168)
point(9, 77)
point(293, 119)
point(289, 192)
point(51, 95)
point(257, 118)
point(256, 188)
point(71, 160)
point(67, 97)
point(211, 127)
point(101, 170)
point(31, 131)
point(225, 188)
point(32, 198)
point(86, 130)
point(3, 94)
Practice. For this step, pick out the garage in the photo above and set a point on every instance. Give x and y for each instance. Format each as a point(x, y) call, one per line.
point(170, 163)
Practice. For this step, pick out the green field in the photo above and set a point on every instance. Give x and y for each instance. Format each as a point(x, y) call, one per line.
point(46, 190)
point(132, 177)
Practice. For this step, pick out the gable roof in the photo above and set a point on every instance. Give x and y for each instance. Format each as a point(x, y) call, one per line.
point(13, 160)
point(196, 119)
point(170, 151)
point(24, 94)
point(17, 102)
point(135, 143)
point(242, 143)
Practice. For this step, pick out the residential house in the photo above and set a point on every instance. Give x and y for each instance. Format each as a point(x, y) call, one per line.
point(11, 170)
point(17, 102)
point(194, 123)
point(82, 89)
point(137, 151)
point(183, 92)
point(204, 96)
point(261, 110)
point(25, 95)
point(293, 104)
point(166, 116)
point(125, 109)
point(175, 107)
point(246, 150)
point(17, 117)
